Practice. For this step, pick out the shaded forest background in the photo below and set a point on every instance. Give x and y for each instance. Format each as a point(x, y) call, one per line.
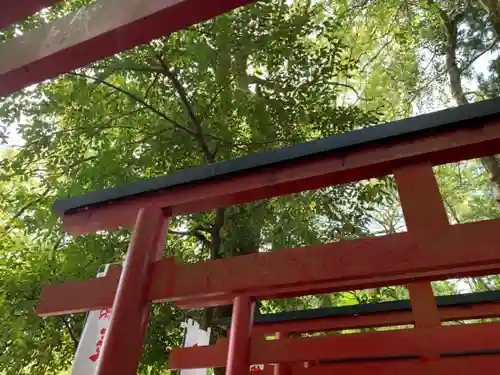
point(262, 77)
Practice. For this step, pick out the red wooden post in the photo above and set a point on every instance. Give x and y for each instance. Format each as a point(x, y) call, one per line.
point(421, 200)
point(131, 308)
point(425, 215)
point(89, 34)
point(282, 368)
point(423, 304)
point(238, 359)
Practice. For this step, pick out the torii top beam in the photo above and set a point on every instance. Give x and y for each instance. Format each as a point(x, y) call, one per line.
point(446, 136)
point(92, 33)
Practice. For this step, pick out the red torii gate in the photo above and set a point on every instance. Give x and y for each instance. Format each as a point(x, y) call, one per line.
point(432, 249)
point(94, 32)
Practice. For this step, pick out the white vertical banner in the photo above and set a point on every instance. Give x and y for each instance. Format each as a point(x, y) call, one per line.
point(92, 339)
point(195, 336)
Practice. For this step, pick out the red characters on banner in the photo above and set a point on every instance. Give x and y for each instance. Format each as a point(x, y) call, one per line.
point(105, 314)
point(255, 368)
point(94, 357)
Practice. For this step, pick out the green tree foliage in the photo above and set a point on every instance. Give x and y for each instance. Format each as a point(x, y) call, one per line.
point(262, 77)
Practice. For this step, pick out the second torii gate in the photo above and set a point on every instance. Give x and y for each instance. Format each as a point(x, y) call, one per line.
point(432, 249)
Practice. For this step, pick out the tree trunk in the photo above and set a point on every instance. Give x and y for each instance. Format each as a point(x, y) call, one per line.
point(237, 235)
point(490, 163)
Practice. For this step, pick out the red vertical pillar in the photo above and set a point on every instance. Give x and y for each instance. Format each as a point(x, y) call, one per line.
point(426, 317)
point(423, 302)
point(421, 200)
point(425, 218)
point(238, 359)
point(123, 343)
point(282, 368)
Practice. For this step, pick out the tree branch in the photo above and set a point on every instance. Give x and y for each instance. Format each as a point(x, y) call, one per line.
point(70, 331)
point(181, 91)
point(486, 50)
point(193, 233)
point(452, 210)
point(214, 98)
point(137, 99)
point(26, 207)
point(153, 82)
point(492, 8)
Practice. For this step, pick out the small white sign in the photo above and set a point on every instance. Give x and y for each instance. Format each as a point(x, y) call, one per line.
point(195, 336)
point(256, 368)
point(92, 339)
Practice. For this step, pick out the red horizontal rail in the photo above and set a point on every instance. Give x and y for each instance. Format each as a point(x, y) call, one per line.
point(374, 320)
point(70, 296)
point(456, 366)
point(13, 11)
point(449, 339)
point(461, 250)
point(346, 265)
point(328, 287)
point(95, 32)
point(338, 168)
